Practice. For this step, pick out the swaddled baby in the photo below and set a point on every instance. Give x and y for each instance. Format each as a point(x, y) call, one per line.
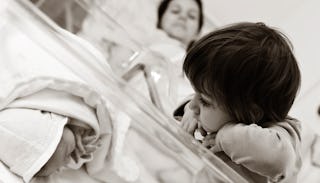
point(75, 143)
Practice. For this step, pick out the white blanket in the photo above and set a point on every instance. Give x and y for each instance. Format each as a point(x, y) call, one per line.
point(33, 78)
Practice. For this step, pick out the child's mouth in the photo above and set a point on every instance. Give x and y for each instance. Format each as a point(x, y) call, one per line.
point(198, 135)
point(202, 130)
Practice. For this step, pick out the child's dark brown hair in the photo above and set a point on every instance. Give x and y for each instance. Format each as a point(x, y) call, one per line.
point(248, 68)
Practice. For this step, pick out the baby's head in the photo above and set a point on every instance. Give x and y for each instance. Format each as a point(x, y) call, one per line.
point(248, 69)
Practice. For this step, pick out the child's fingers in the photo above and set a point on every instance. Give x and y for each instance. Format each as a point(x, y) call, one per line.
point(97, 142)
point(94, 142)
point(208, 143)
point(90, 148)
point(88, 139)
point(78, 130)
point(188, 122)
point(86, 156)
point(73, 155)
point(190, 126)
point(89, 133)
point(209, 140)
point(184, 125)
point(79, 143)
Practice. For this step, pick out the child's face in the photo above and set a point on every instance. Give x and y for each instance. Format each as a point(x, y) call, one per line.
point(61, 156)
point(210, 116)
point(181, 20)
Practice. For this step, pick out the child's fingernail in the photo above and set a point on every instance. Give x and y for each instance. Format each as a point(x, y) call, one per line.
point(91, 148)
point(85, 156)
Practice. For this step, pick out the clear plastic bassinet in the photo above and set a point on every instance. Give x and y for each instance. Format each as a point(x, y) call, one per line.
point(154, 68)
point(160, 149)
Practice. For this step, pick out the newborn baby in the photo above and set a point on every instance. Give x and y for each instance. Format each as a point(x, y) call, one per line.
point(76, 142)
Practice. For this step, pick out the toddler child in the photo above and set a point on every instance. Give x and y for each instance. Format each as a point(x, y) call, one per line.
point(246, 79)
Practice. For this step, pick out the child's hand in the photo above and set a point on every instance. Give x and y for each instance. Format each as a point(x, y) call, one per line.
point(85, 142)
point(188, 122)
point(209, 142)
point(61, 156)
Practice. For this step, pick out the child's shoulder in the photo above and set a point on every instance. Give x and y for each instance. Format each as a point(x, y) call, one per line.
point(287, 121)
point(289, 124)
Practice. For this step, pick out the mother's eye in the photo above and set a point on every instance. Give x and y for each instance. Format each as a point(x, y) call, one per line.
point(192, 16)
point(175, 11)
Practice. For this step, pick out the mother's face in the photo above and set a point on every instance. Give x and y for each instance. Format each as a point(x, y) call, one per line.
point(181, 20)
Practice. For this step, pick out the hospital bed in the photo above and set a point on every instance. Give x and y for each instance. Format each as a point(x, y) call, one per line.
point(159, 149)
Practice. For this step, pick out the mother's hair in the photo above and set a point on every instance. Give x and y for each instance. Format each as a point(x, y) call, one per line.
point(164, 5)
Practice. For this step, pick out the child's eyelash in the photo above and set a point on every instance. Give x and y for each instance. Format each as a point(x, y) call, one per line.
point(203, 102)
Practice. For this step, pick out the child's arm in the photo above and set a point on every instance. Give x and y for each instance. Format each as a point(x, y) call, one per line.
point(188, 122)
point(186, 116)
point(272, 152)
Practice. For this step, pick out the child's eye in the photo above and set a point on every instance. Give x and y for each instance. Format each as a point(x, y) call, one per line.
point(204, 102)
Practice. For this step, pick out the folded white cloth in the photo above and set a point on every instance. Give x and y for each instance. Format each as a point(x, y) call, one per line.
point(28, 139)
point(6, 176)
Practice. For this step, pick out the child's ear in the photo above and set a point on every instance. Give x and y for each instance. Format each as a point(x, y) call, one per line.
point(256, 113)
